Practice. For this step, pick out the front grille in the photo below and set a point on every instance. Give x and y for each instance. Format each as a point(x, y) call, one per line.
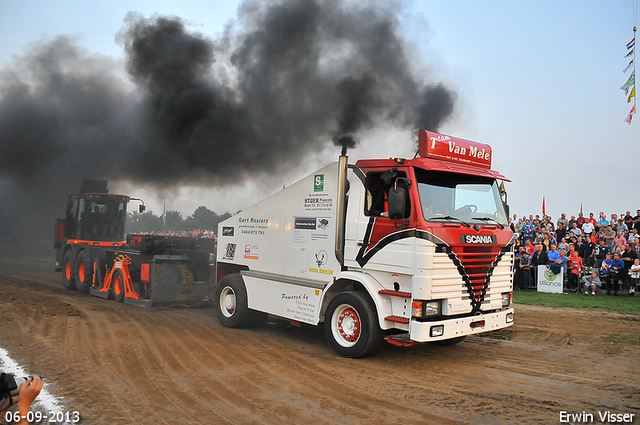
point(475, 264)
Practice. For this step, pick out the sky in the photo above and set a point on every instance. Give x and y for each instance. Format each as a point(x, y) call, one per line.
point(539, 81)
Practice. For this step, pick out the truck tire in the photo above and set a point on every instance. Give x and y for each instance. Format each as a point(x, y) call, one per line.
point(117, 285)
point(84, 271)
point(68, 271)
point(351, 325)
point(231, 304)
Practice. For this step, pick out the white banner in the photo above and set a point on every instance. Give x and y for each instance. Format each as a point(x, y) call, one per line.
point(549, 281)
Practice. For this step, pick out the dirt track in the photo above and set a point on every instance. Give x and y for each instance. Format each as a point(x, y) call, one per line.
point(120, 364)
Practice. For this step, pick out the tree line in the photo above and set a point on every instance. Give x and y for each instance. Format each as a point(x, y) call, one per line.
point(202, 218)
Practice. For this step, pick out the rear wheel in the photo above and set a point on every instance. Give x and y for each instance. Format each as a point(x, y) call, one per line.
point(231, 304)
point(68, 275)
point(351, 325)
point(117, 284)
point(84, 271)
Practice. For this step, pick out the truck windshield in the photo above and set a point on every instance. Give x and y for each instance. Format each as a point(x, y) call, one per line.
point(460, 198)
point(102, 220)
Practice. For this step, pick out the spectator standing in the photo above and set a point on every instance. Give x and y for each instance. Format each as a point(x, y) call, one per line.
point(629, 257)
point(527, 231)
point(517, 276)
point(576, 230)
point(571, 221)
point(557, 260)
point(575, 267)
point(561, 231)
point(632, 236)
point(611, 269)
point(628, 220)
point(602, 222)
point(563, 220)
point(529, 248)
point(586, 251)
point(621, 227)
point(587, 228)
point(563, 245)
point(636, 221)
point(600, 254)
point(581, 220)
point(609, 235)
point(619, 238)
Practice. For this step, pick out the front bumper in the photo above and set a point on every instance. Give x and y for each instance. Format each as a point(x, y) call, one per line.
point(460, 326)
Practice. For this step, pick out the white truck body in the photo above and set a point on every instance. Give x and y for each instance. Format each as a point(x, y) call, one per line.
point(284, 248)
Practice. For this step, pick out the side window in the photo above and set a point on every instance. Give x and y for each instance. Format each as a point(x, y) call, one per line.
point(377, 186)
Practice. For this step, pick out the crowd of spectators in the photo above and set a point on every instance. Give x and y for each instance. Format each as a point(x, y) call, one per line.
point(606, 248)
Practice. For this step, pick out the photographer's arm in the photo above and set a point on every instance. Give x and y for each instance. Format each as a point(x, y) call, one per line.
point(28, 392)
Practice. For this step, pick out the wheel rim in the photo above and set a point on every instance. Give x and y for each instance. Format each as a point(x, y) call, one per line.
point(67, 269)
point(346, 325)
point(227, 302)
point(116, 285)
point(81, 271)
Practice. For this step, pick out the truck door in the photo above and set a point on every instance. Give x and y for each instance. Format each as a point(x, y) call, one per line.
point(378, 242)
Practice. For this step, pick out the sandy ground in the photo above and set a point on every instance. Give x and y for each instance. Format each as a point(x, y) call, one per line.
point(120, 364)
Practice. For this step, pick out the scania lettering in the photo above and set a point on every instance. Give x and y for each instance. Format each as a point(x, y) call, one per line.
point(403, 250)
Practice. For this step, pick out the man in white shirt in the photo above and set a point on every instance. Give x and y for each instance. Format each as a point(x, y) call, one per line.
point(587, 227)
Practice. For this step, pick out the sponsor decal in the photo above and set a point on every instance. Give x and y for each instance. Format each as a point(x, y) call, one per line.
point(311, 229)
point(295, 297)
point(227, 231)
point(478, 239)
point(440, 146)
point(252, 226)
point(318, 183)
point(304, 223)
point(548, 281)
point(318, 202)
point(229, 251)
point(321, 260)
point(549, 275)
point(251, 252)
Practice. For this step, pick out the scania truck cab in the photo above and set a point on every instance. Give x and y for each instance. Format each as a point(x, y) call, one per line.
point(407, 250)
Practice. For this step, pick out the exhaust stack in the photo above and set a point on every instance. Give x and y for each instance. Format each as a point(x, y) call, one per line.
point(341, 205)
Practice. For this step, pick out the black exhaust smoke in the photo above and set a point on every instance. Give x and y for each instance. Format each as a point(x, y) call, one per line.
point(283, 78)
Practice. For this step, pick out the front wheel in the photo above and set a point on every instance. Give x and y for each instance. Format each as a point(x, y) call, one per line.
point(68, 275)
point(231, 304)
point(351, 325)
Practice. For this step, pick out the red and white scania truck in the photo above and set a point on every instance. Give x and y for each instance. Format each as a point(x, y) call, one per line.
point(411, 250)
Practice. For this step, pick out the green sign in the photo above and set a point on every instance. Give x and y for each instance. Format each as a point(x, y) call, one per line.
point(318, 183)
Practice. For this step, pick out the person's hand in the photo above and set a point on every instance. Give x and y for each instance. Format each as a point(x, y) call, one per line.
point(29, 391)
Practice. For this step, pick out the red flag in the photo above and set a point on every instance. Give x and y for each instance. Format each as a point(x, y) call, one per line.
point(544, 212)
point(580, 207)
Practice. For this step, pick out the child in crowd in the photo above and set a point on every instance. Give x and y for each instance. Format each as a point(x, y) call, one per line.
point(634, 276)
point(592, 282)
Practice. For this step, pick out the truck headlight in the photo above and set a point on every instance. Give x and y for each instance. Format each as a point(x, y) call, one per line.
point(506, 299)
point(425, 308)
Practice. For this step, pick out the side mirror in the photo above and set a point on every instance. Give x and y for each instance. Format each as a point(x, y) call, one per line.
point(396, 203)
point(141, 209)
point(506, 209)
